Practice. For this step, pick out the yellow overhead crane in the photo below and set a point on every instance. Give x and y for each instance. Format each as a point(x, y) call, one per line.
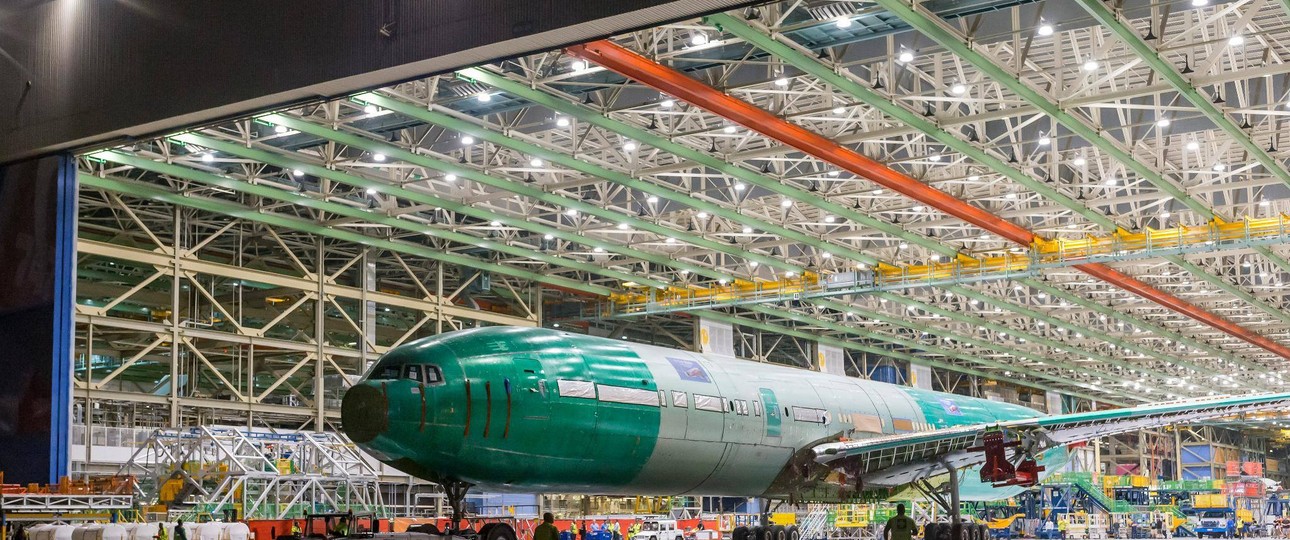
point(1042, 253)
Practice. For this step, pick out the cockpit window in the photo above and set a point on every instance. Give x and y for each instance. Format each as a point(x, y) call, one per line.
point(420, 373)
point(387, 372)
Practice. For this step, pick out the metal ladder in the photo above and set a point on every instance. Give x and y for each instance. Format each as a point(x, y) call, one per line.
point(815, 523)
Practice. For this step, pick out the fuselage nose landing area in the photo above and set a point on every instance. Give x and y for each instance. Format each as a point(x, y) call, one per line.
point(365, 413)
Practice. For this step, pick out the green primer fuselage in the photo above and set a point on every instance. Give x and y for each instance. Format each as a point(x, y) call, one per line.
point(540, 410)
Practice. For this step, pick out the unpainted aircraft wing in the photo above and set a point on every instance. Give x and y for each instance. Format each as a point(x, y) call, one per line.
point(896, 460)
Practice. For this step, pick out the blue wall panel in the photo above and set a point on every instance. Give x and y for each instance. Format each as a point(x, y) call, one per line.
point(37, 243)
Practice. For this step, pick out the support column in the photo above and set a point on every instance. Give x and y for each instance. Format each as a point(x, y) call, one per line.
point(176, 280)
point(320, 323)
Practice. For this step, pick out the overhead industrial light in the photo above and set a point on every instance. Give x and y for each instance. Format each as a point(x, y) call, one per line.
point(548, 237)
point(378, 157)
point(1090, 65)
point(934, 157)
point(786, 203)
point(702, 215)
point(571, 212)
point(699, 38)
point(1044, 139)
point(579, 65)
point(781, 81)
point(905, 55)
point(903, 245)
point(1110, 181)
point(562, 121)
point(958, 89)
point(279, 129)
point(1193, 145)
point(1219, 167)
point(1079, 161)
point(829, 219)
point(1236, 40)
point(652, 199)
point(843, 110)
point(748, 230)
point(629, 146)
point(371, 191)
point(728, 129)
point(598, 249)
point(467, 140)
point(844, 22)
point(450, 177)
point(370, 109)
point(1044, 29)
point(484, 97)
point(667, 103)
point(297, 172)
point(740, 186)
point(1163, 122)
point(208, 157)
point(536, 162)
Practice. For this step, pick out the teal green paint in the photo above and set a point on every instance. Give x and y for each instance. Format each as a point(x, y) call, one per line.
point(554, 443)
point(774, 418)
point(948, 410)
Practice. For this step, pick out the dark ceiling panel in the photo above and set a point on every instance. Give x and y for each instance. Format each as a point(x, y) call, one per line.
point(81, 72)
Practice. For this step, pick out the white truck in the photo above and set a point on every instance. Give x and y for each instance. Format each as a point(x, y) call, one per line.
point(659, 529)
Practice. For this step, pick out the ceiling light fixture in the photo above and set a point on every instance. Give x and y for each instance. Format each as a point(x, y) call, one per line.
point(1044, 29)
point(1090, 65)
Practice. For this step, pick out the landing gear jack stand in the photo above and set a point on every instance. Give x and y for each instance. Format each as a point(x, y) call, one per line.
point(951, 507)
point(455, 492)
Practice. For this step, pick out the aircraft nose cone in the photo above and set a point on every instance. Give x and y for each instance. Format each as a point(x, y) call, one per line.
point(365, 413)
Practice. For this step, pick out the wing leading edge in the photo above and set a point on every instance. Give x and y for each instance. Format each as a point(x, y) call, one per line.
point(900, 459)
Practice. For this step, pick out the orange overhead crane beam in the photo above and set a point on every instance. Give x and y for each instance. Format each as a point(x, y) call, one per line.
point(674, 83)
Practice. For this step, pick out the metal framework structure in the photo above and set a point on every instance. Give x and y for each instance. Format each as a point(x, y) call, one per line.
point(260, 474)
point(259, 262)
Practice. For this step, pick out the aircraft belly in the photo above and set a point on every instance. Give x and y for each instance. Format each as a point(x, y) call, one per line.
point(745, 469)
point(681, 466)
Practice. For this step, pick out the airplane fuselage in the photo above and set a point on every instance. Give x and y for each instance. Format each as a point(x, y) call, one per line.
point(540, 410)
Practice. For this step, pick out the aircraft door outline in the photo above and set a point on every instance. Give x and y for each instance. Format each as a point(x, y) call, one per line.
point(774, 419)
